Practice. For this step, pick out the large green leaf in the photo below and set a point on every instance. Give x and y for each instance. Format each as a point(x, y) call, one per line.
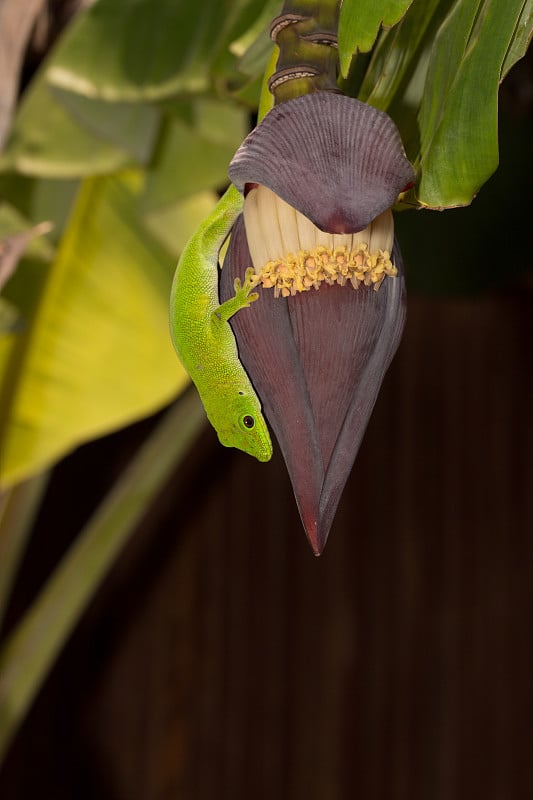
point(132, 127)
point(137, 51)
point(521, 39)
point(359, 23)
point(96, 353)
point(244, 45)
point(194, 150)
point(170, 225)
point(395, 54)
point(254, 47)
point(121, 50)
point(46, 140)
point(458, 116)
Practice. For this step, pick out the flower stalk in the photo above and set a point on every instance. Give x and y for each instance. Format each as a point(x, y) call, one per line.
point(306, 34)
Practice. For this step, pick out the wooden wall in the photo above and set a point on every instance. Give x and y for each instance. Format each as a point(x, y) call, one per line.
point(222, 660)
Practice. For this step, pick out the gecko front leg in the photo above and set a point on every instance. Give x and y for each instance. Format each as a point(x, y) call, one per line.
point(244, 296)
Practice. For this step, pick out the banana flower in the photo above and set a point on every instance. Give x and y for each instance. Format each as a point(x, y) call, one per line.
point(320, 175)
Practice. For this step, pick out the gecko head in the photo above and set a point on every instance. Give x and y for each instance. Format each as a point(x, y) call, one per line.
point(239, 422)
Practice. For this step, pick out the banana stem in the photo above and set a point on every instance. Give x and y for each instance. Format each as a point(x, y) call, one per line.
point(306, 33)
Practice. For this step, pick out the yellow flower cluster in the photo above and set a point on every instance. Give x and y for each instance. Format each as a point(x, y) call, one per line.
point(308, 269)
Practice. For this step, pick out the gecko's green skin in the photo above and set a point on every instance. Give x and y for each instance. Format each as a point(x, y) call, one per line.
point(200, 328)
point(204, 340)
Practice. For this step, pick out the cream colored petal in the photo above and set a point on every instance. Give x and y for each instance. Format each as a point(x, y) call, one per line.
point(360, 238)
point(287, 225)
point(382, 232)
point(267, 206)
point(254, 234)
point(342, 240)
point(307, 232)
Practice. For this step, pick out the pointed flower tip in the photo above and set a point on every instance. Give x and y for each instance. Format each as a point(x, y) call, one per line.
point(316, 524)
point(311, 527)
point(317, 530)
point(318, 543)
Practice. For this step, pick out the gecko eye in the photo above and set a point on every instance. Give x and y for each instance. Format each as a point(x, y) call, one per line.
point(248, 422)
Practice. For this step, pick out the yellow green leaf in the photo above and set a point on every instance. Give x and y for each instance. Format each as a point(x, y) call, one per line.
point(46, 140)
point(359, 24)
point(96, 353)
point(459, 112)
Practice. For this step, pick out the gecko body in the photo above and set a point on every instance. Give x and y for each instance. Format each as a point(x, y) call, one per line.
point(200, 328)
point(203, 338)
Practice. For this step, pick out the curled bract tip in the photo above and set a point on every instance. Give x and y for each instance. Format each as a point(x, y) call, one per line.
point(337, 160)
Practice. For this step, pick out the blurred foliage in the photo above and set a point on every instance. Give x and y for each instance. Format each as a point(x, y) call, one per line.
point(121, 140)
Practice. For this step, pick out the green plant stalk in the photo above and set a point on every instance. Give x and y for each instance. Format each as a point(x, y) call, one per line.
point(18, 509)
point(30, 651)
point(306, 33)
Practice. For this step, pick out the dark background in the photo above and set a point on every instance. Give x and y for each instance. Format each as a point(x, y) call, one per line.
point(221, 659)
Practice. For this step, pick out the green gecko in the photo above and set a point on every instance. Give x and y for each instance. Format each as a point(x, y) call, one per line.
point(203, 337)
point(200, 327)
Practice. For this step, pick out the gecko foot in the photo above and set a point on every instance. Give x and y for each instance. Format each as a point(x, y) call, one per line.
point(243, 291)
point(243, 298)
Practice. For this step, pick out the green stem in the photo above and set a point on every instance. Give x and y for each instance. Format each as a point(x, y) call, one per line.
point(18, 508)
point(306, 33)
point(32, 648)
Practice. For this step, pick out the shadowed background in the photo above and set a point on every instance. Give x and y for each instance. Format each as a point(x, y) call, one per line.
point(221, 659)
